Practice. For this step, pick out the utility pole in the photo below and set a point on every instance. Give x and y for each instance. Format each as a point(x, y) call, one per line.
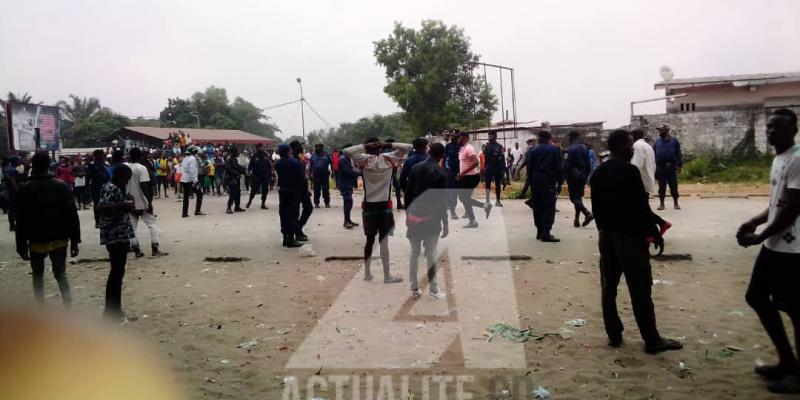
point(302, 113)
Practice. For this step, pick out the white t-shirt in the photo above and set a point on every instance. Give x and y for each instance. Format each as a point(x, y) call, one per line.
point(644, 158)
point(785, 175)
point(517, 154)
point(139, 174)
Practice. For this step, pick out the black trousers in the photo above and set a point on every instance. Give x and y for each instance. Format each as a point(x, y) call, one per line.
point(543, 189)
point(188, 189)
point(118, 256)
point(623, 254)
point(667, 175)
point(289, 211)
point(322, 186)
point(452, 193)
point(234, 195)
point(260, 184)
point(307, 208)
point(466, 185)
point(576, 188)
point(495, 176)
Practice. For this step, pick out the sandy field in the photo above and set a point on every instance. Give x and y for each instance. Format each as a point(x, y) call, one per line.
point(256, 329)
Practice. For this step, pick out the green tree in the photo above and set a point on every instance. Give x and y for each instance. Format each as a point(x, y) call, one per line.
point(76, 111)
point(380, 126)
point(178, 113)
point(96, 130)
point(429, 75)
point(252, 119)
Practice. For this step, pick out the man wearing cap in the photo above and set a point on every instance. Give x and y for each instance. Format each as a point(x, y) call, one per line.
point(669, 162)
point(495, 167)
point(577, 167)
point(190, 169)
point(260, 171)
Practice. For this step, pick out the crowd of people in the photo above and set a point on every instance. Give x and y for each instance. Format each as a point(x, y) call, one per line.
point(428, 180)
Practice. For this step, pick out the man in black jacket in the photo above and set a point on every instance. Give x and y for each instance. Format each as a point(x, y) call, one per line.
point(625, 221)
point(346, 181)
point(46, 222)
point(426, 215)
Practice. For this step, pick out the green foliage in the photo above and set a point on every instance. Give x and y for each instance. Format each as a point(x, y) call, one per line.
point(719, 168)
point(429, 75)
point(95, 130)
point(142, 121)
point(76, 112)
point(380, 126)
point(213, 110)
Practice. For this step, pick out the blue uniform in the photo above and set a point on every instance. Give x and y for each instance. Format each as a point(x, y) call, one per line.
point(544, 174)
point(576, 170)
point(291, 188)
point(346, 180)
point(413, 159)
point(451, 167)
point(668, 159)
point(320, 171)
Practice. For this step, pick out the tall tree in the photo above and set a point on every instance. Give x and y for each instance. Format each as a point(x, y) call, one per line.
point(429, 75)
point(75, 112)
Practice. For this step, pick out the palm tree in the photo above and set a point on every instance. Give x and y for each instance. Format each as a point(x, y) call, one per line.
point(80, 108)
point(15, 98)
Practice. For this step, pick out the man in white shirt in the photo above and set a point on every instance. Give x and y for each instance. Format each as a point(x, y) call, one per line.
point(776, 272)
point(644, 158)
point(190, 168)
point(517, 154)
point(377, 169)
point(142, 192)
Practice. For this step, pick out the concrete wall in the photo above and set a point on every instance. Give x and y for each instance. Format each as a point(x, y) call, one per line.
point(725, 97)
point(710, 131)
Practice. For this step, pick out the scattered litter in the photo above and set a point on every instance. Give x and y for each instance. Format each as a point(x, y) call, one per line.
point(734, 348)
point(759, 362)
point(541, 393)
point(513, 334)
point(206, 270)
point(737, 313)
point(247, 344)
point(284, 331)
point(338, 330)
point(511, 257)
point(548, 261)
point(226, 259)
point(88, 260)
point(224, 361)
point(672, 257)
point(320, 278)
point(566, 334)
point(576, 322)
point(662, 282)
point(683, 367)
point(307, 250)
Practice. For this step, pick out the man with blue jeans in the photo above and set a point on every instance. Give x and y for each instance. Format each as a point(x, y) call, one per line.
point(669, 162)
point(426, 216)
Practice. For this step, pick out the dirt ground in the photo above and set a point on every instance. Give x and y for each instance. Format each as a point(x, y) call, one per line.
point(237, 330)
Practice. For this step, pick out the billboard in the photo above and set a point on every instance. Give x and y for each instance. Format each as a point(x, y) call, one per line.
point(23, 122)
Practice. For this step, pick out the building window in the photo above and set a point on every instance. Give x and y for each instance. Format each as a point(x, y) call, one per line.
point(688, 107)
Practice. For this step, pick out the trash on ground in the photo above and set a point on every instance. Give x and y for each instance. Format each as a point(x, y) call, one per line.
point(736, 312)
point(662, 282)
point(247, 344)
point(541, 393)
point(513, 334)
point(307, 250)
point(576, 322)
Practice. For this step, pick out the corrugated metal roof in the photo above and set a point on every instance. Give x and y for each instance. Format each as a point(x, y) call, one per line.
point(743, 80)
point(202, 135)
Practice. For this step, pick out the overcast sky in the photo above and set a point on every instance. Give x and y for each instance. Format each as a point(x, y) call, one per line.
point(574, 60)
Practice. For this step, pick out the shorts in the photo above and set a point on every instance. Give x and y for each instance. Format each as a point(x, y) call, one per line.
point(377, 219)
point(775, 275)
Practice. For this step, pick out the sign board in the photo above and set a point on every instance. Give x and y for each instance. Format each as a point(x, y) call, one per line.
point(23, 122)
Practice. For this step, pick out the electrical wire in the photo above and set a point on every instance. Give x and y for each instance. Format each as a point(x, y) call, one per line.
point(317, 114)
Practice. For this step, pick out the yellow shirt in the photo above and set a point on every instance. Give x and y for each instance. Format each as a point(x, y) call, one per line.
point(43, 248)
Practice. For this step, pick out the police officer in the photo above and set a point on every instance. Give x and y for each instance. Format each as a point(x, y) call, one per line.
point(320, 174)
point(292, 188)
point(260, 170)
point(544, 174)
point(305, 199)
point(233, 170)
point(346, 180)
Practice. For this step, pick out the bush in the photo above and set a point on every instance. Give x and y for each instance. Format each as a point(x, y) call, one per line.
point(717, 168)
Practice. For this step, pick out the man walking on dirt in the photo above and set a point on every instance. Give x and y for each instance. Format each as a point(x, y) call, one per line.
point(669, 161)
point(773, 286)
point(139, 187)
point(495, 168)
point(624, 222)
point(378, 161)
point(260, 171)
